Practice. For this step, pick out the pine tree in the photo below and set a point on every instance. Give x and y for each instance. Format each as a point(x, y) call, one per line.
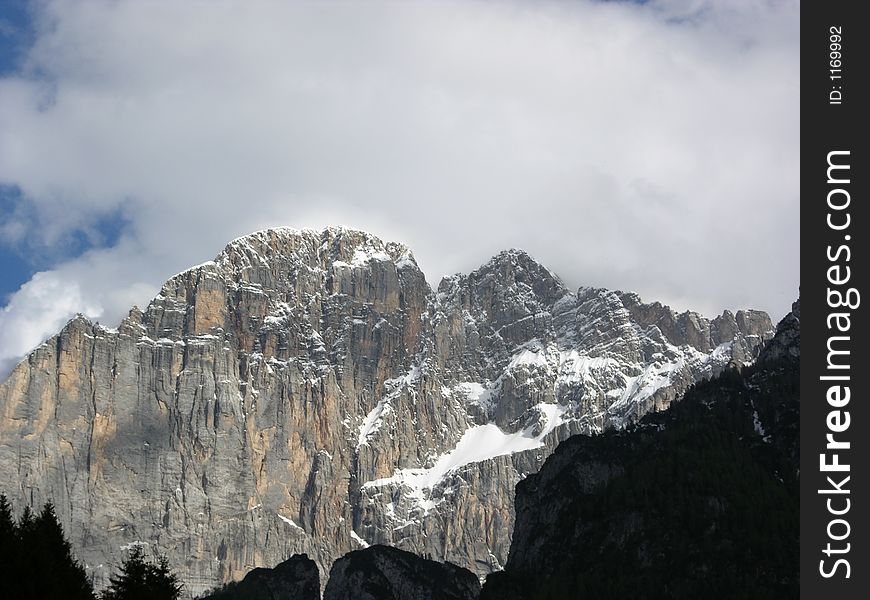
point(141, 580)
point(7, 544)
point(42, 564)
point(63, 576)
point(25, 523)
point(25, 565)
point(7, 523)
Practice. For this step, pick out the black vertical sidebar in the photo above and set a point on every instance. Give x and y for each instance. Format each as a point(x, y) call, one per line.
point(835, 373)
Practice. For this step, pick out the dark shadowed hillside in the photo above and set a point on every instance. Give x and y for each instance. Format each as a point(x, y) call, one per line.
point(296, 578)
point(385, 573)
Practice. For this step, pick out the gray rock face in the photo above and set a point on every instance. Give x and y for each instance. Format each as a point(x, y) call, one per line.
point(386, 573)
point(308, 392)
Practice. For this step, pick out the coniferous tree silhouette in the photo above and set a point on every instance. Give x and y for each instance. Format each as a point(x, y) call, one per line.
point(25, 563)
point(7, 543)
point(25, 525)
point(7, 523)
point(36, 560)
point(142, 580)
point(53, 552)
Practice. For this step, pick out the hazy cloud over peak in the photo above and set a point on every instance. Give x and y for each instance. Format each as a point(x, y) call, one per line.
point(651, 147)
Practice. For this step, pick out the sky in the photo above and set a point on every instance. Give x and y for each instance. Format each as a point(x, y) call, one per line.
point(645, 146)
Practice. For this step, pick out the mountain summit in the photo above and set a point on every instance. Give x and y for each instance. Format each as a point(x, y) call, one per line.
point(308, 392)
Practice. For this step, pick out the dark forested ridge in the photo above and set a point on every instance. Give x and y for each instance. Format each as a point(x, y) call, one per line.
point(698, 501)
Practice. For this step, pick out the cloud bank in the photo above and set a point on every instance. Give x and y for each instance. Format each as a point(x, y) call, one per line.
point(651, 147)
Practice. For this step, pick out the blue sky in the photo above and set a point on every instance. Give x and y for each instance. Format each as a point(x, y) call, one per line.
point(21, 258)
point(650, 147)
point(15, 36)
point(16, 33)
point(15, 267)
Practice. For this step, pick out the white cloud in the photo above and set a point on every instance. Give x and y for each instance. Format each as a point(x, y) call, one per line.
point(42, 304)
point(646, 147)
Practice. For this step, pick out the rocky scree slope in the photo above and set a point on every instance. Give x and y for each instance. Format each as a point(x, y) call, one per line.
point(308, 392)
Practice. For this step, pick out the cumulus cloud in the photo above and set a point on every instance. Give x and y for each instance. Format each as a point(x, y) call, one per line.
point(44, 302)
point(651, 147)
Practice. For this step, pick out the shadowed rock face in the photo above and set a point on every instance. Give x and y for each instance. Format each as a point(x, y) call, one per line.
point(296, 578)
point(786, 343)
point(308, 392)
point(385, 573)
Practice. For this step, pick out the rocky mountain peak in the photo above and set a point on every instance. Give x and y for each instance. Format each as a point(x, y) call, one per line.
point(516, 272)
point(315, 249)
point(512, 293)
point(786, 343)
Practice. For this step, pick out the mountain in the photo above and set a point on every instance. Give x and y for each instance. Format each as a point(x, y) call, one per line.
point(308, 392)
point(698, 501)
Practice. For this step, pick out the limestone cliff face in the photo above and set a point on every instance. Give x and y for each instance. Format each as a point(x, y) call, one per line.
point(308, 392)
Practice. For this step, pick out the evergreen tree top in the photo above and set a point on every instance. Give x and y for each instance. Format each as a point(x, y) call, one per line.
point(139, 579)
